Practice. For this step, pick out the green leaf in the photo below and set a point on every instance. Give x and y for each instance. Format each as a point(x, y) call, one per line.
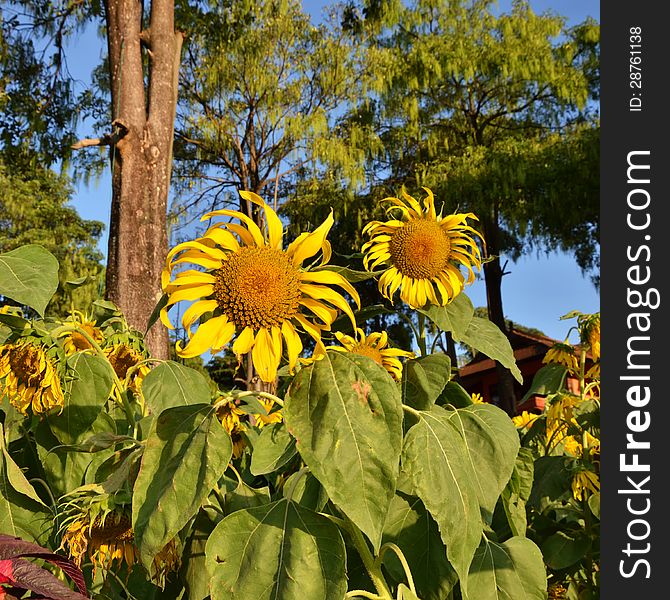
point(404, 593)
point(343, 322)
point(85, 395)
point(346, 415)
point(424, 379)
point(29, 275)
point(22, 513)
point(272, 450)
point(517, 492)
point(156, 312)
point(307, 492)
point(511, 570)
point(551, 482)
point(455, 316)
point(244, 496)
point(410, 526)
point(491, 446)
point(594, 505)
point(562, 550)
point(350, 274)
point(171, 384)
point(193, 570)
point(435, 458)
point(281, 550)
point(454, 394)
point(186, 452)
point(484, 336)
point(548, 380)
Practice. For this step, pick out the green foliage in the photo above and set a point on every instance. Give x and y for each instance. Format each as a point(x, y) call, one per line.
point(34, 210)
point(240, 494)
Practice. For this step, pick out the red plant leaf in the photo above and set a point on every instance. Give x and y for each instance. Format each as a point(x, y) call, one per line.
point(12, 547)
point(29, 576)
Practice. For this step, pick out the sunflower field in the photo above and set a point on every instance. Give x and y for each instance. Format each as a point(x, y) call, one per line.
point(346, 468)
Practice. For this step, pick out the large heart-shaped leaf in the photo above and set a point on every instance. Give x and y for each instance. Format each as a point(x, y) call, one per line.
point(171, 384)
point(517, 492)
point(346, 415)
point(85, 395)
point(29, 275)
point(454, 317)
point(280, 551)
point(424, 379)
point(273, 449)
point(186, 452)
point(486, 337)
point(435, 458)
point(513, 569)
point(491, 446)
point(410, 526)
point(548, 380)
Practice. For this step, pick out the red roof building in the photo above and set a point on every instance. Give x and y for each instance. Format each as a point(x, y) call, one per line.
point(480, 375)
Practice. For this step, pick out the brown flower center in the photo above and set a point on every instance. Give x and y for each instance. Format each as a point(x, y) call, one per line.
point(420, 249)
point(258, 287)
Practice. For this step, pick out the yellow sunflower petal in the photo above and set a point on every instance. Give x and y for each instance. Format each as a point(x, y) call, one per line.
point(266, 353)
point(253, 229)
point(275, 227)
point(203, 338)
point(330, 277)
point(244, 341)
point(301, 249)
point(293, 344)
point(196, 310)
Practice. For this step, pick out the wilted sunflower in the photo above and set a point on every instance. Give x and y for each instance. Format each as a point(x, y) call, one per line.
point(423, 252)
point(105, 538)
point(29, 378)
point(583, 482)
point(73, 341)
point(562, 354)
point(123, 357)
point(229, 415)
point(255, 289)
point(374, 346)
point(589, 330)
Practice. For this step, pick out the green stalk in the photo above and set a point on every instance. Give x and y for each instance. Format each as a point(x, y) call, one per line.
point(371, 566)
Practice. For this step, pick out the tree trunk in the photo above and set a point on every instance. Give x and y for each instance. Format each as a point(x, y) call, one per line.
point(493, 277)
point(143, 121)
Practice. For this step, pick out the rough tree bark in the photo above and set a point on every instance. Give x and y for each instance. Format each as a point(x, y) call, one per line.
point(143, 120)
point(493, 275)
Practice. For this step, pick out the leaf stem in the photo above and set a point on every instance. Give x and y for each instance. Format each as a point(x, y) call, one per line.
point(361, 594)
point(401, 557)
point(412, 411)
point(294, 483)
point(371, 566)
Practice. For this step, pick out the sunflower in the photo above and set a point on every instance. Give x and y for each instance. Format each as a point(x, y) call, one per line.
point(525, 419)
point(166, 561)
point(29, 378)
point(269, 417)
point(583, 482)
point(562, 354)
point(589, 329)
point(422, 252)
point(123, 358)
point(254, 289)
point(229, 415)
point(374, 346)
point(74, 341)
point(106, 539)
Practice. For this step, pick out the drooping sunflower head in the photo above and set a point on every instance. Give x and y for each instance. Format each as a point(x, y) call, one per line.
point(589, 331)
point(253, 289)
point(374, 346)
point(127, 363)
point(562, 354)
point(231, 417)
point(422, 252)
point(106, 538)
point(585, 483)
point(29, 377)
point(75, 341)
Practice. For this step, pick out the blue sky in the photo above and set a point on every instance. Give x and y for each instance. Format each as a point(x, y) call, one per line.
point(539, 289)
